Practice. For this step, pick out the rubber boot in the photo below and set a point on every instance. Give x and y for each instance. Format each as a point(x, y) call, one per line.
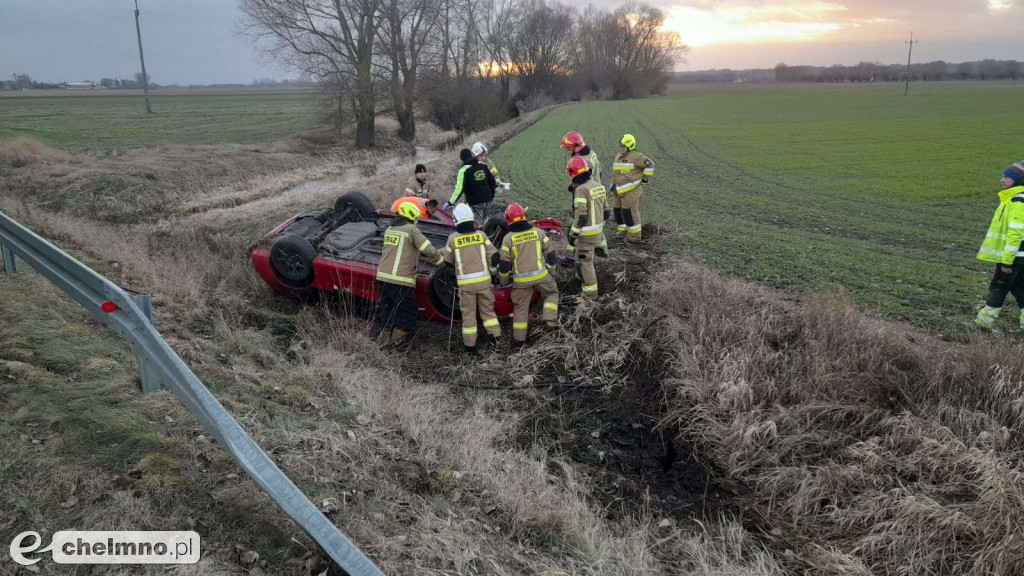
point(399, 340)
point(469, 350)
point(987, 316)
point(551, 325)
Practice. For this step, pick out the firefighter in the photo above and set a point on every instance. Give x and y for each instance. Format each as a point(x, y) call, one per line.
point(417, 185)
point(474, 185)
point(1003, 248)
point(632, 170)
point(426, 206)
point(397, 310)
point(574, 144)
point(480, 151)
point(527, 258)
point(476, 261)
point(589, 213)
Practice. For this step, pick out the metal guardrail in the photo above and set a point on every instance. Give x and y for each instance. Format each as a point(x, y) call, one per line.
point(159, 364)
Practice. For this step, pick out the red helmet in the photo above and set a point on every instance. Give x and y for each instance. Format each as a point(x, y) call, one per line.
point(577, 165)
point(573, 142)
point(514, 213)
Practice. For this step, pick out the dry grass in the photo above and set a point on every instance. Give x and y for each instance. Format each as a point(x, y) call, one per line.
point(17, 152)
point(873, 449)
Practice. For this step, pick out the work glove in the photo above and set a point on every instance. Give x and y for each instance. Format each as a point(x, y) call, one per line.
point(446, 206)
point(607, 214)
point(572, 240)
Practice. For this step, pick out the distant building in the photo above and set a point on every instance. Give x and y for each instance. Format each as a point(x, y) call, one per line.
point(84, 86)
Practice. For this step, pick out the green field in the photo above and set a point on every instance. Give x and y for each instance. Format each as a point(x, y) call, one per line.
point(118, 122)
point(841, 188)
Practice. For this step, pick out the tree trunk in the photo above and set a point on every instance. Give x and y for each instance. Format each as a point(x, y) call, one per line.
point(366, 107)
point(405, 108)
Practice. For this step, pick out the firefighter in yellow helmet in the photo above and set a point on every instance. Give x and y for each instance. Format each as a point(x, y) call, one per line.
point(589, 213)
point(397, 309)
point(573, 143)
point(476, 261)
point(527, 258)
point(632, 170)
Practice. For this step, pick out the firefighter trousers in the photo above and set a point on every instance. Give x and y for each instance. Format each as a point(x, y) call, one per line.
point(473, 299)
point(627, 214)
point(522, 296)
point(396, 307)
point(585, 246)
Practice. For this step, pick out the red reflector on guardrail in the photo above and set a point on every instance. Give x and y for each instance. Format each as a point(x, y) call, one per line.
point(108, 307)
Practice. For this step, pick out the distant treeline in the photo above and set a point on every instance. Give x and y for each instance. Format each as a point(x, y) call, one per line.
point(864, 72)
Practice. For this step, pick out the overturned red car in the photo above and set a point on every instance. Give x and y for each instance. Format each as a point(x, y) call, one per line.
point(338, 249)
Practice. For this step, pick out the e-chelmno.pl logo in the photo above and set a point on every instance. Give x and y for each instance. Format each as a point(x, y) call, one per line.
point(73, 547)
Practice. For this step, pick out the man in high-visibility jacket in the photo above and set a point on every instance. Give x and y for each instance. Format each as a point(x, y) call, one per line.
point(426, 206)
point(397, 309)
point(417, 185)
point(479, 150)
point(573, 143)
point(527, 258)
point(1003, 247)
point(589, 213)
point(632, 170)
point(476, 261)
point(474, 185)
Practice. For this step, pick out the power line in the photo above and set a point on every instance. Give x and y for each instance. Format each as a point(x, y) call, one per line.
point(142, 60)
point(910, 52)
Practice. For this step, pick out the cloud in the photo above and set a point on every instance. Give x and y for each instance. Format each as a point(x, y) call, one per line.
point(733, 22)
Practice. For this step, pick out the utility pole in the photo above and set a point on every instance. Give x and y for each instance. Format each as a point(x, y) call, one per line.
point(142, 60)
point(910, 52)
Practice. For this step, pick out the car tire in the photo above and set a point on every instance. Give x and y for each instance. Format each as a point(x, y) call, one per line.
point(357, 205)
point(291, 258)
point(495, 228)
point(443, 290)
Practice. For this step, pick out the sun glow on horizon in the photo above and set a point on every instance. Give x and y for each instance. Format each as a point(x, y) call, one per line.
point(747, 24)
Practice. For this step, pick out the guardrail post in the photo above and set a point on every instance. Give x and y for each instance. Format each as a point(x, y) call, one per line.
point(148, 373)
point(9, 266)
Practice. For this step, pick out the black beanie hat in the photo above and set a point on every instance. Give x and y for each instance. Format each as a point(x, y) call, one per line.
point(465, 155)
point(420, 168)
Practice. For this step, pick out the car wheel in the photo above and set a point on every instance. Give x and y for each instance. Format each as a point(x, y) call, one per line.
point(444, 293)
point(495, 228)
point(356, 206)
point(291, 258)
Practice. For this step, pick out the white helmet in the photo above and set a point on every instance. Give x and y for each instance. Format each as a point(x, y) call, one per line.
point(479, 149)
point(463, 213)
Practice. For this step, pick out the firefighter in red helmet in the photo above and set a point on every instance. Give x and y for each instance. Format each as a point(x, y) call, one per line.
point(589, 214)
point(574, 144)
point(527, 259)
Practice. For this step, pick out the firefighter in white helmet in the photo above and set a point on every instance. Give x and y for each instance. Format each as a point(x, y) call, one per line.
point(475, 260)
point(480, 150)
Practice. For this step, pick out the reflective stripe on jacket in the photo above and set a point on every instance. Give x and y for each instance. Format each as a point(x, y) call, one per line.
point(471, 254)
point(589, 201)
point(1003, 241)
point(417, 188)
point(474, 184)
point(630, 170)
point(526, 251)
point(401, 254)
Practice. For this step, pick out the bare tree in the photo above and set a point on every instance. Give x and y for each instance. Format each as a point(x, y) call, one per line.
point(406, 39)
point(498, 28)
point(331, 40)
point(541, 48)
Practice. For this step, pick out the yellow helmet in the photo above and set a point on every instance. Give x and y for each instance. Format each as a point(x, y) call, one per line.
point(628, 141)
point(409, 211)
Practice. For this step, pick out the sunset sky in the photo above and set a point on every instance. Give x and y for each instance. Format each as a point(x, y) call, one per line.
point(194, 41)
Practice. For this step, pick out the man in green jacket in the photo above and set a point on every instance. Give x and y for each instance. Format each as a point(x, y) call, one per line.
point(1002, 247)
